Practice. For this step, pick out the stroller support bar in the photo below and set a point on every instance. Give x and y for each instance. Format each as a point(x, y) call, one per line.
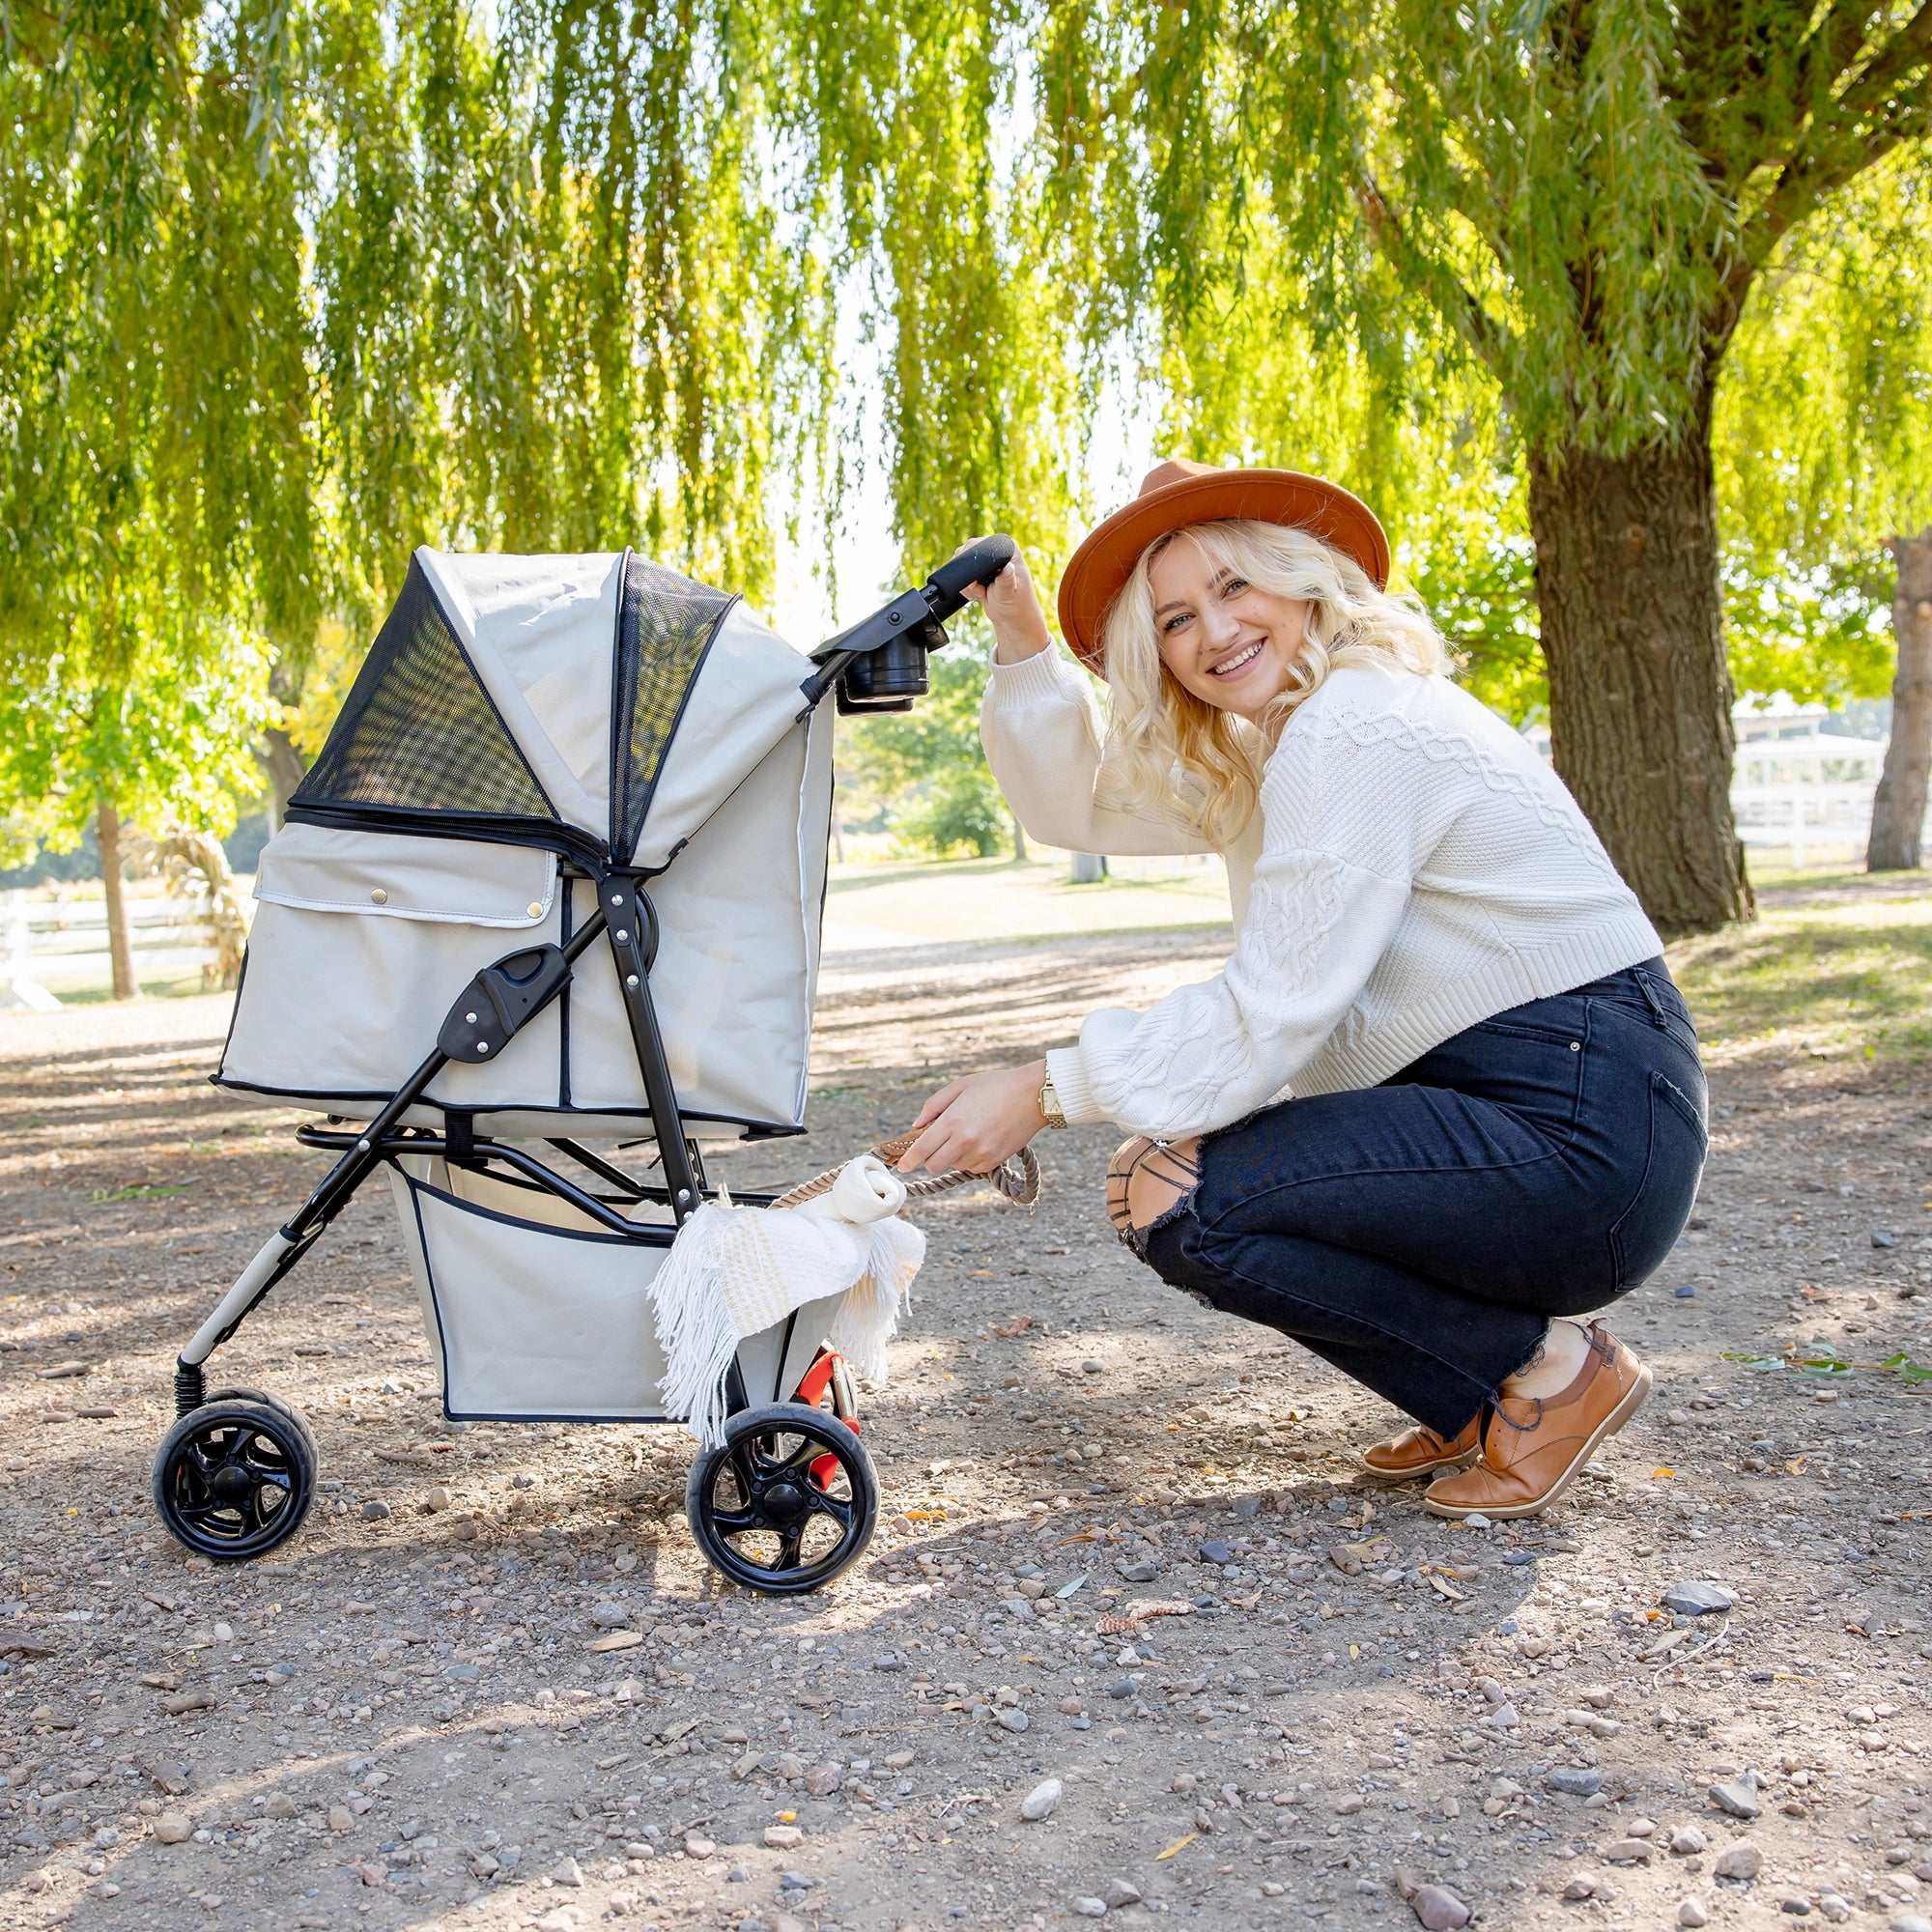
point(254, 1281)
point(632, 922)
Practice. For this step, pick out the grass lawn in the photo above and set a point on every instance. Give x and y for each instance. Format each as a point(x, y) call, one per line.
point(996, 900)
point(1835, 967)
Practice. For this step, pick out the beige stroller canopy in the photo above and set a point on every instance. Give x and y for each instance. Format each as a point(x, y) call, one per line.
point(518, 721)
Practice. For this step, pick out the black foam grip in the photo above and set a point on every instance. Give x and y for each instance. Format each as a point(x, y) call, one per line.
point(944, 589)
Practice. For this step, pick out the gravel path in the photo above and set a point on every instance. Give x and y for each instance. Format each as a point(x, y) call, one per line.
point(1366, 1716)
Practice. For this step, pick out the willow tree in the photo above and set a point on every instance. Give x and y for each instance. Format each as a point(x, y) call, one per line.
point(156, 505)
point(1823, 447)
point(286, 289)
point(1582, 197)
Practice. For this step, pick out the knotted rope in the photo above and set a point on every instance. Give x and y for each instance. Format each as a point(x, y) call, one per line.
point(1017, 1177)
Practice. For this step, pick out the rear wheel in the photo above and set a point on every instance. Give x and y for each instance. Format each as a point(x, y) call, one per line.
point(786, 1502)
point(234, 1477)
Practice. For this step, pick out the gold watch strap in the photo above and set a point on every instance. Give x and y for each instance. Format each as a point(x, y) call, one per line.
point(1050, 1108)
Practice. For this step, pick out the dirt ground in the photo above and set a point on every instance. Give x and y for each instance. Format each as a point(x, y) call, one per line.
point(398, 1720)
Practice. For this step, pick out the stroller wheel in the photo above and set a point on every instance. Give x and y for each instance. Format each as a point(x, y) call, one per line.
point(234, 1477)
point(286, 1409)
point(785, 1502)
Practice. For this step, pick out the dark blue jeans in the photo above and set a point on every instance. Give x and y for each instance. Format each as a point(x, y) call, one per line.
point(1419, 1235)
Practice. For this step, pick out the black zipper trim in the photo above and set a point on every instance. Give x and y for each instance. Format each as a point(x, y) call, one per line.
point(566, 842)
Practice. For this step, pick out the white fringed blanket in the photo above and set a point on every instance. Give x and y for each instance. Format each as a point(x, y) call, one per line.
point(735, 1272)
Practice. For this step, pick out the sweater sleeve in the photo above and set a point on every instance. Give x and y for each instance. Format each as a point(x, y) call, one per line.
point(1044, 741)
point(1322, 915)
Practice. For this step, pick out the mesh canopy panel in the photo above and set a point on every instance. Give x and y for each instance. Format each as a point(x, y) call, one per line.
point(665, 623)
point(418, 732)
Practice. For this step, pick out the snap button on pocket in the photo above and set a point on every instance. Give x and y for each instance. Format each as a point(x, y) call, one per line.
point(1576, 1046)
point(534, 910)
point(378, 896)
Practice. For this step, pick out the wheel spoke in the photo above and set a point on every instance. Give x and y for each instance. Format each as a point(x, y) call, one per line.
point(837, 1508)
point(740, 1455)
point(798, 1463)
point(201, 1512)
point(275, 1474)
point(190, 1488)
point(733, 1523)
point(788, 1546)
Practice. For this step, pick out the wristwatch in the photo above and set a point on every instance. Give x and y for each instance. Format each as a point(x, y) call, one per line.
point(1049, 1103)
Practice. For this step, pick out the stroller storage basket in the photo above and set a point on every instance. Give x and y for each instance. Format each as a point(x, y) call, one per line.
point(556, 877)
point(538, 1314)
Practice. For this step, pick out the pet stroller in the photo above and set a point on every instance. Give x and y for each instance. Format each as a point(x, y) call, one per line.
point(623, 778)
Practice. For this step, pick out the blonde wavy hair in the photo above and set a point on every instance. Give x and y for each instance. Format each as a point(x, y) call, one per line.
point(1166, 747)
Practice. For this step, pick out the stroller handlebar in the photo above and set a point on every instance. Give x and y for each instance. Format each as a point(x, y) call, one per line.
point(879, 664)
point(946, 588)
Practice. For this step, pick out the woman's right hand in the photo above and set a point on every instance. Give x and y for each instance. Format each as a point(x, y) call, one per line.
point(1012, 608)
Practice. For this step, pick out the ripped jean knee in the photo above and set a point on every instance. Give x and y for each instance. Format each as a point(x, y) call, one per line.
point(1163, 1246)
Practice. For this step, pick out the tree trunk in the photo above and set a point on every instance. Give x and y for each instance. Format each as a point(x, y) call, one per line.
point(1639, 692)
point(1898, 807)
point(286, 767)
point(1019, 839)
point(120, 950)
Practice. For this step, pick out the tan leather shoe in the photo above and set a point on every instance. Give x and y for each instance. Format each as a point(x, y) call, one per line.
point(1532, 1448)
point(1420, 1451)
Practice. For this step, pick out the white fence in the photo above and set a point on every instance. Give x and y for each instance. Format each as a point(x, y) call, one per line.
point(55, 948)
point(1797, 788)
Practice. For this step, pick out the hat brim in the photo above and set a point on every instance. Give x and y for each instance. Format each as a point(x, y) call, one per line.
point(1101, 567)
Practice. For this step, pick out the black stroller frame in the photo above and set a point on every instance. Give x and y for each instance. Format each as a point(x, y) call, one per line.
point(790, 1498)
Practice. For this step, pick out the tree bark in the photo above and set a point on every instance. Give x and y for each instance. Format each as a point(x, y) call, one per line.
point(1019, 839)
point(120, 948)
point(1639, 692)
point(1898, 807)
point(286, 767)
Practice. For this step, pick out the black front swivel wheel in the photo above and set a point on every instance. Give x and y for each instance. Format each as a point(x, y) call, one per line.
point(234, 1477)
point(786, 1502)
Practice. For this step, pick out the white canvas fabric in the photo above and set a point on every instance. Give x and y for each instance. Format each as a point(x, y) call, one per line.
point(746, 701)
point(737, 965)
point(534, 1312)
point(362, 940)
point(393, 875)
point(540, 632)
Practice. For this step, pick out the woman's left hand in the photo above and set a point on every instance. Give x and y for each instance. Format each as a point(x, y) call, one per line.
point(976, 1122)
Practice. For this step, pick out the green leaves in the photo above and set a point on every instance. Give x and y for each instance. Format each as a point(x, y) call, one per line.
point(1833, 1367)
point(290, 287)
point(1823, 439)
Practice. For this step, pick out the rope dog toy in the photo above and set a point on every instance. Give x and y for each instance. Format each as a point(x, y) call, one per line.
point(1016, 1178)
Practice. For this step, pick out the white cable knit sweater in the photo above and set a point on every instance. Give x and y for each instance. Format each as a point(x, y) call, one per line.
point(1415, 867)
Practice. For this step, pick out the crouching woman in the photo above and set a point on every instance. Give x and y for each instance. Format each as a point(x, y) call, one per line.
point(1443, 1100)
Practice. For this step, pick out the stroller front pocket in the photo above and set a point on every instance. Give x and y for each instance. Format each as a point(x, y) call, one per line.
point(533, 1317)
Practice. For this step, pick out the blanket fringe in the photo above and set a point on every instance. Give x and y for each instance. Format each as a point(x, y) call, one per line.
point(692, 1326)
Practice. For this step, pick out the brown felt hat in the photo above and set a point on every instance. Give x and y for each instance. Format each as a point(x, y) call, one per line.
point(1177, 493)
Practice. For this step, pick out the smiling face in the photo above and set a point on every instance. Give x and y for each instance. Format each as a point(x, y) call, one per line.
point(1228, 642)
